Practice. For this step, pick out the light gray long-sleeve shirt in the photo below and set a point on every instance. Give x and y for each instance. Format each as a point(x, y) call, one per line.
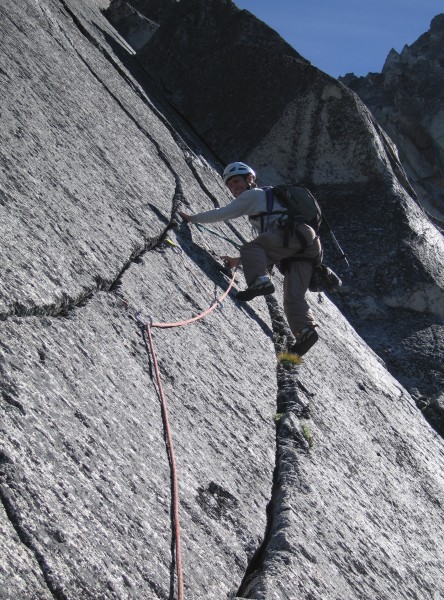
point(250, 203)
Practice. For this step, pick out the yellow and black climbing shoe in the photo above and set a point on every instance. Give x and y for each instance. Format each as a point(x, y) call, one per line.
point(305, 340)
point(261, 286)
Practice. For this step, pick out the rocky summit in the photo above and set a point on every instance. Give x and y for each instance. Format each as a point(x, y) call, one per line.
point(407, 99)
point(142, 405)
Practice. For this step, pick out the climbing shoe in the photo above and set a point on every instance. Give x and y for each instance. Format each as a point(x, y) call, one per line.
point(304, 341)
point(261, 286)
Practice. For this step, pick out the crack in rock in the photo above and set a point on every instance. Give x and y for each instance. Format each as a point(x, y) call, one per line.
point(291, 440)
point(19, 526)
point(65, 303)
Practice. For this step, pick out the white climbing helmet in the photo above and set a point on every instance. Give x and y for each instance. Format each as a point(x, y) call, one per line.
point(237, 168)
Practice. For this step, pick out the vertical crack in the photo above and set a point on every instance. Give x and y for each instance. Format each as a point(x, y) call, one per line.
point(290, 442)
point(66, 303)
point(138, 89)
point(18, 524)
point(127, 79)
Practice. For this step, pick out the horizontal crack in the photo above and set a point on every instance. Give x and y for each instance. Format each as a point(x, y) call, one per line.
point(66, 304)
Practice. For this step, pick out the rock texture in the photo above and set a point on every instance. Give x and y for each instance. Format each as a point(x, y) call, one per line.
point(320, 481)
point(273, 107)
point(407, 99)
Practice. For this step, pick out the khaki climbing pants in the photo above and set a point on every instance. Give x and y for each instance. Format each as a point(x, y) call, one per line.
point(267, 249)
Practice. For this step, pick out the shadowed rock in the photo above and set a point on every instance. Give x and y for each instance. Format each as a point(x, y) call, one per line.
point(262, 100)
point(134, 27)
point(156, 10)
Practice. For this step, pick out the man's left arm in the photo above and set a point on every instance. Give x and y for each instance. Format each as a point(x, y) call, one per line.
point(238, 207)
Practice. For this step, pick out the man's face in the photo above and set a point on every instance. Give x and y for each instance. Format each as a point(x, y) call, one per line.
point(237, 185)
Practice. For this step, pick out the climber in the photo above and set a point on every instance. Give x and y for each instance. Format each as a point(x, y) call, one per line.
point(258, 256)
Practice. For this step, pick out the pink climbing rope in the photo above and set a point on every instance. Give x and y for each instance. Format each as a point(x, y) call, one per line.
point(169, 439)
point(216, 304)
point(173, 467)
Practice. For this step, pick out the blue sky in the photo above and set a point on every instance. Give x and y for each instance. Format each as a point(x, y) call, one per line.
point(346, 36)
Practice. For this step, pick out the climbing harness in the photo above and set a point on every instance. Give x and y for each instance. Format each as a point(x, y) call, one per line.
point(146, 325)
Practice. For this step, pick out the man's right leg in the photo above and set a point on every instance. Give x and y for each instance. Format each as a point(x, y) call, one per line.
point(297, 310)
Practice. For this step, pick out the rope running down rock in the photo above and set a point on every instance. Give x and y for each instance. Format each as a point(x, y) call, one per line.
point(175, 487)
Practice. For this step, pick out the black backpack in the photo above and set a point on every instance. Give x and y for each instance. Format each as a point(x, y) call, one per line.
point(301, 207)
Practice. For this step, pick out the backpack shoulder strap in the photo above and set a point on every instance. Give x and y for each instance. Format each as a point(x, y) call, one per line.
point(265, 216)
point(270, 199)
point(269, 205)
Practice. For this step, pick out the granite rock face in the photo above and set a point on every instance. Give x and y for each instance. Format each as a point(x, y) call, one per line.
point(261, 99)
point(407, 99)
point(319, 481)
